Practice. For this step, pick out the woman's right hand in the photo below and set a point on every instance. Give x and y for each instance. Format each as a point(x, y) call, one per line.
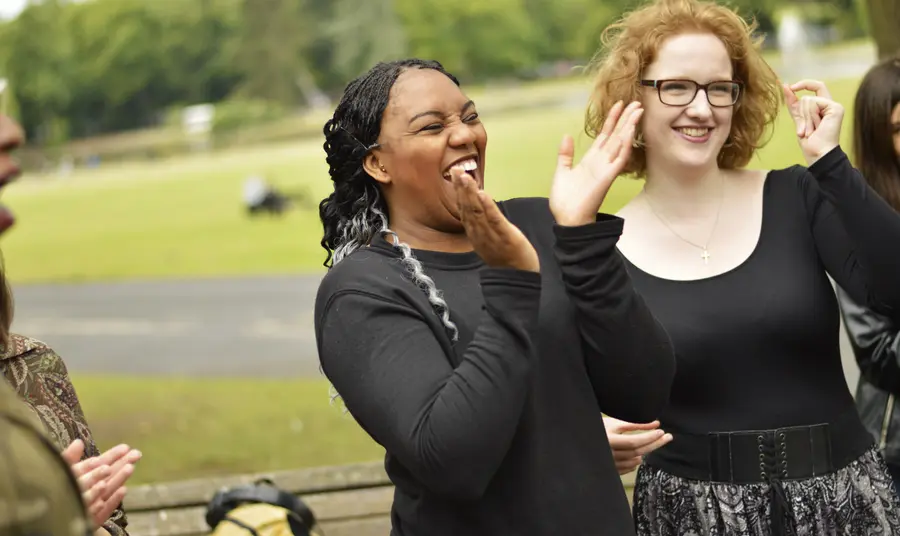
point(630, 442)
point(500, 243)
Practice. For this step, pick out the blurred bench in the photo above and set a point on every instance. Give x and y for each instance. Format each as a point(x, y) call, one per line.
point(349, 500)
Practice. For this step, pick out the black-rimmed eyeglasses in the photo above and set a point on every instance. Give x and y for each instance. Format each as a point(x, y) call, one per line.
point(719, 93)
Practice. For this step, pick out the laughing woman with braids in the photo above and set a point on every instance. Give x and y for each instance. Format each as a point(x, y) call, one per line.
point(478, 342)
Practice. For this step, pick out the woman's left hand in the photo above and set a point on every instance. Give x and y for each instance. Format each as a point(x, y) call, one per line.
point(102, 478)
point(578, 192)
point(817, 117)
point(631, 441)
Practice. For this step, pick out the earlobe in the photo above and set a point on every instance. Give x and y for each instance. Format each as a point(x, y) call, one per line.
point(376, 169)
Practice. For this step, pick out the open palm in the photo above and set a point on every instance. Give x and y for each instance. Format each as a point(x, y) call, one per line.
point(578, 192)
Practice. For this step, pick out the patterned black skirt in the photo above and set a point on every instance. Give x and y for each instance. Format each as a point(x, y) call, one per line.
point(858, 500)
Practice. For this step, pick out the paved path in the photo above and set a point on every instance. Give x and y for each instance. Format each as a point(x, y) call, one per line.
point(254, 326)
point(228, 327)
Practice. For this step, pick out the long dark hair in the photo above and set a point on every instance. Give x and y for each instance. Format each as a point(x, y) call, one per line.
point(873, 140)
point(356, 212)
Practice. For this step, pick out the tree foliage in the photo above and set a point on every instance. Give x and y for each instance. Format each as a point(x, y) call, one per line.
point(83, 68)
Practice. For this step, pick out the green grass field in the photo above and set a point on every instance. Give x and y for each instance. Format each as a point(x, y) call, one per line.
point(191, 428)
point(182, 218)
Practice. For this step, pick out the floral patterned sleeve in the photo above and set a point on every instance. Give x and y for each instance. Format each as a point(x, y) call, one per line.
point(40, 377)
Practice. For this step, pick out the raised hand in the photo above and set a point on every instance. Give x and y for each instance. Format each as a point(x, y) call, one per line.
point(817, 117)
point(578, 192)
point(497, 241)
point(630, 442)
point(102, 478)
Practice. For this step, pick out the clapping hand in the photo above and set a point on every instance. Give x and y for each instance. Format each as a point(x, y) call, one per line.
point(500, 243)
point(578, 192)
point(817, 117)
point(101, 478)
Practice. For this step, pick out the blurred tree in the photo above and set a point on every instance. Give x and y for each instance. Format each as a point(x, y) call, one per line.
point(134, 58)
point(472, 38)
point(884, 24)
point(571, 30)
point(276, 34)
point(85, 68)
point(362, 34)
point(39, 67)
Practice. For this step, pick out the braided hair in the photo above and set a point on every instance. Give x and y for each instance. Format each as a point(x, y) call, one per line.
point(356, 212)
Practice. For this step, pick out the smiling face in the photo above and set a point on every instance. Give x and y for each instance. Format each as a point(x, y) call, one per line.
point(687, 133)
point(429, 127)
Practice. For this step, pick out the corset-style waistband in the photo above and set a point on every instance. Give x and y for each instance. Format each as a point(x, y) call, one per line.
point(748, 456)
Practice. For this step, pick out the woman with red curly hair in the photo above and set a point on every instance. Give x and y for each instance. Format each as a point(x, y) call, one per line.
point(735, 264)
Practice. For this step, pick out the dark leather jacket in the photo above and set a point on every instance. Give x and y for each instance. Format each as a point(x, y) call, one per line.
point(876, 344)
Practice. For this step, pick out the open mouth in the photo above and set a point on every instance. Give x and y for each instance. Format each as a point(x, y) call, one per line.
point(468, 164)
point(694, 134)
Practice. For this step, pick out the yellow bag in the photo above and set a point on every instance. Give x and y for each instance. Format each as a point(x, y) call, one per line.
point(259, 509)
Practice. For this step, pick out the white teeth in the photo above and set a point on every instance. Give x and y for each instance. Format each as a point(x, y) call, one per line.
point(465, 165)
point(694, 132)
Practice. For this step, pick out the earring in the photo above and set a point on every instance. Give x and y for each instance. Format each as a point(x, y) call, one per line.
point(382, 169)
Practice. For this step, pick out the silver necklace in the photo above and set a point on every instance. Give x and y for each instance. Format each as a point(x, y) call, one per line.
point(705, 247)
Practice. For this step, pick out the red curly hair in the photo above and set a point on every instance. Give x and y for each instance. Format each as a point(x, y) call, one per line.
point(631, 44)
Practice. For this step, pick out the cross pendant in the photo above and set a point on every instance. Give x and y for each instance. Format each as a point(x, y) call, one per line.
point(705, 256)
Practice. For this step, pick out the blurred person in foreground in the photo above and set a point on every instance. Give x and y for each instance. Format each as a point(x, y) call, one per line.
point(875, 338)
point(38, 492)
point(40, 378)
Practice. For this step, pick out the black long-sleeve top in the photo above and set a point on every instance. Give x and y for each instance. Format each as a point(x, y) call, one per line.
point(758, 347)
point(500, 432)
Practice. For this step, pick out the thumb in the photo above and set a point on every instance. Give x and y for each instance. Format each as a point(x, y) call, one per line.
point(634, 427)
point(73, 453)
point(566, 153)
point(791, 100)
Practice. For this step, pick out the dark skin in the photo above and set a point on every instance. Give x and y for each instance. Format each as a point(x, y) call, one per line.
point(429, 125)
